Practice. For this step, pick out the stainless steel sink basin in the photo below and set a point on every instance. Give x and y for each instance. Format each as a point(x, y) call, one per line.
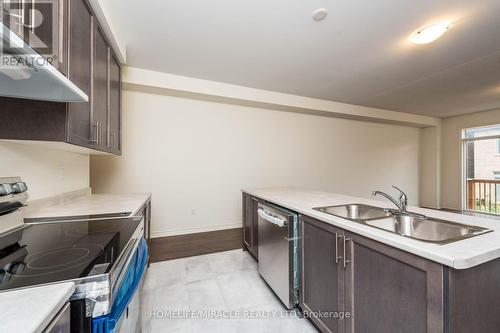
point(355, 212)
point(427, 229)
point(410, 225)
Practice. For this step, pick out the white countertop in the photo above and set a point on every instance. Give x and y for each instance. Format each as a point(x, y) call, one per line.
point(460, 255)
point(93, 204)
point(30, 310)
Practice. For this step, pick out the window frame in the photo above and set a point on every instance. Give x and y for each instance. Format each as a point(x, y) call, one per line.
point(464, 141)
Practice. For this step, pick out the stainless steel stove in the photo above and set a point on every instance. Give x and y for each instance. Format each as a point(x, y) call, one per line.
point(104, 256)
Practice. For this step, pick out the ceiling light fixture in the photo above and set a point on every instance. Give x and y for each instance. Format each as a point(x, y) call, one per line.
point(320, 14)
point(430, 33)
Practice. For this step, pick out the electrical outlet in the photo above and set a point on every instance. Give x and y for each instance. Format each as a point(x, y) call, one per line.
point(60, 171)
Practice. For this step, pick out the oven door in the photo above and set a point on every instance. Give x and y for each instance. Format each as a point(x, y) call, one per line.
point(130, 320)
point(125, 311)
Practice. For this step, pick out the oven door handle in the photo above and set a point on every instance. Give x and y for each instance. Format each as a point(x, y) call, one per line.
point(130, 255)
point(124, 259)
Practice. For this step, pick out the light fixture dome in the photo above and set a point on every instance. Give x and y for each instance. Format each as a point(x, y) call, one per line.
point(430, 33)
point(320, 14)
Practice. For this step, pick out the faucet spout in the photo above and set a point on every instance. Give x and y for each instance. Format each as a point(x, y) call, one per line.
point(391, 199)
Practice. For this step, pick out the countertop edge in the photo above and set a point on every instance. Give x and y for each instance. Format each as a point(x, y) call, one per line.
point(148, 198)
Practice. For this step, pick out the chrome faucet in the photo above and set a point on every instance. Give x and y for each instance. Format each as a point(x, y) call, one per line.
point(403, 199)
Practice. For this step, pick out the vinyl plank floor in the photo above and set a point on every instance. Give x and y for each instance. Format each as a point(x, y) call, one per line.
point(219, 292)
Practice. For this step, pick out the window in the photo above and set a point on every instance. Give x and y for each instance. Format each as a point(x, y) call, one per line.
point(481, 153)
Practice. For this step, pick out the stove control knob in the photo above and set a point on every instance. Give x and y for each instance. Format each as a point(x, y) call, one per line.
point(5, 189)
point(19, 187)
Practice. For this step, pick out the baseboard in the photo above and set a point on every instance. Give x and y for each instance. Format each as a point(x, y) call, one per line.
point(186, 231)
point(193, 244)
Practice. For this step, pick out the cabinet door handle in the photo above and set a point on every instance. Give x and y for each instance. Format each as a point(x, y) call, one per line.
point(61, 31)
point(93, 129)
point(23, 13)
point(99, 133)
point(32, 18)
point(96, 127)
point(98, 130)
point(346, 261)
point(337, 257)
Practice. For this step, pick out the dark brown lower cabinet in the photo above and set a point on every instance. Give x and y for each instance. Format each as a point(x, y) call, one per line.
point(250, 224)
point(322, 276)
point(145, 211)
point(389, 290)
point(375, 287)
point(474, 299)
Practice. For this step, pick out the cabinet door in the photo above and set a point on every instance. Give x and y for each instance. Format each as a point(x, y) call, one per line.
point(47, 30)
point(100, 89)
point(254, 217)
point(474, 302)
point(42, 24)
point(389, 290)
point(145, 211)
point(80, 73)
point(14, 16)
point(247, 221)
point(322, 273)
point(114, 135)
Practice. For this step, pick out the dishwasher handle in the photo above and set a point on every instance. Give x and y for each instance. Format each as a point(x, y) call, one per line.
point(272, 219)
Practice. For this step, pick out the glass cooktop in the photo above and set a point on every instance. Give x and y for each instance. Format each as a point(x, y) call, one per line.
point(57, 251)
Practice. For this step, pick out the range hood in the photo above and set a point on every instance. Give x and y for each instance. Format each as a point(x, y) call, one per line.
point(35, 79)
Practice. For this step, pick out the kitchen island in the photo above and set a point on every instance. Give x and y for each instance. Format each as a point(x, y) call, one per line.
point(384, 282)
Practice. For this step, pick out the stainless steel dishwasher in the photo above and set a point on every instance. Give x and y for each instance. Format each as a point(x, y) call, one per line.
point(279, 251)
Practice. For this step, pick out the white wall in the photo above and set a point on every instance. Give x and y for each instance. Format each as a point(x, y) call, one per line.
point(47, 172)
point(182, 86)
point(451, 172)
point(430, 167)
point(195, 156)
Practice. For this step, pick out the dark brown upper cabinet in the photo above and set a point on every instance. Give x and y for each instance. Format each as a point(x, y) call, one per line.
point(42, 24)
point(115, 94)
point(100, 90)
point(82, 53)
point(79, 122)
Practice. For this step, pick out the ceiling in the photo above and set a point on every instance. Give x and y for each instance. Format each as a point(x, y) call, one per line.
point(360, 54)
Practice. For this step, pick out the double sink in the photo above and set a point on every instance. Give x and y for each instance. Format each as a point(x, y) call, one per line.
point(406, 224)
